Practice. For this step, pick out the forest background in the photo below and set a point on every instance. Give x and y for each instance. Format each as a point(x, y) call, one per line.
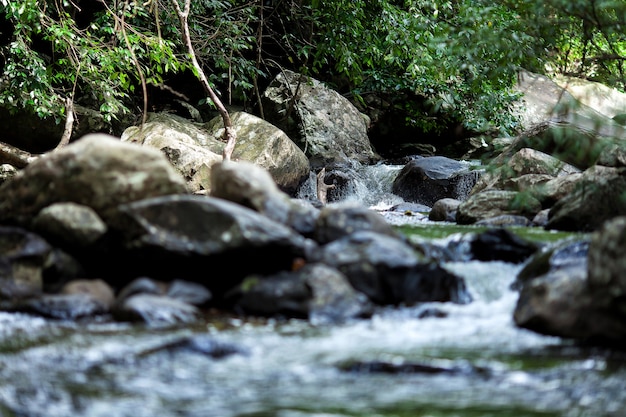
point(436, 65)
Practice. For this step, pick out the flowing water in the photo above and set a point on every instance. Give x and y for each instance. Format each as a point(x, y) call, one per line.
point(431, 360)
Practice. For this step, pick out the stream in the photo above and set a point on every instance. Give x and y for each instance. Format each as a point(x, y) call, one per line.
point(430, 360)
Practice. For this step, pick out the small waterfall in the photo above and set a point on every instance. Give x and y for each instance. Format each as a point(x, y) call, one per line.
point(369, 185)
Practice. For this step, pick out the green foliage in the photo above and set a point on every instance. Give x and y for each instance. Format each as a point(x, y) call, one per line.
point(459, 57)
point(440, 63)
point(224, 38)
point(50, 58)
point(584, 38)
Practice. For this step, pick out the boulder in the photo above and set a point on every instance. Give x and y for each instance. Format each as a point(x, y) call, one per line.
point(575, 289)
point(342, 219)
point(428, 179)
point(492, 203)
point(98, 171)
point(25, 256)
point(188, 147)
point(389, 270)
point(188, 236)
point(316, 292)
point(265, 145)
point(606, 263)
point(558, 100)
point(526, 169)
point(596, 198)
point(252, 186)
point(444, 210)
point(193, 147)
point(324, 124)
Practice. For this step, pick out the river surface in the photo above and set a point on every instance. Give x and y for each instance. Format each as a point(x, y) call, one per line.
point(431, 360)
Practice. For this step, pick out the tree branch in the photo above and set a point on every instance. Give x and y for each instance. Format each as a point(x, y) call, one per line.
point(230, 136)
point(14, 156)
point(69, 123)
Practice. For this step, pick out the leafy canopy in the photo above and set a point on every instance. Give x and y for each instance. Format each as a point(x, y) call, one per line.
point(440, 63)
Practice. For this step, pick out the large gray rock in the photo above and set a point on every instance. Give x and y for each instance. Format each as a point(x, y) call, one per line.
point(193, 148)
point(265, 145)
point(493, 203)
point(525, 169)
point(575, 289)
point(580, 146)
point(607, 264)
point(251, 186)
point(317, 292)
point(202, 239)
point(72, 224)
point(426, 180)
point(545, 100)
point(323, 123)
point(603, 99)
point(596, 198)
point(342, 219)
point(98, 171)
point(390, 271)
point(188, 147)
point(24, 257)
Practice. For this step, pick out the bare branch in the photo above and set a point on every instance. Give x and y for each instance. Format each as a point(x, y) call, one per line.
point(230, 135)
point(14, 156)
point(69, 123)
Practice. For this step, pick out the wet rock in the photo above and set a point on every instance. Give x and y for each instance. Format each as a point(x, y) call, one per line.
point(209, 346)
point(155, 310)
point(389, 270)
point(342, 219)
point(98, 171)
point(185, 291)
point(560, 304)
point(201, 344)
point(596, 199)
point(64, 306)
point(409, 208)
point(558, 297)
point(188, 292)
point(142, 285)
point(386, 367)
point(444, 210)
point(317, 292)
point(426, 180)
point(72, 224)
point(564, 255)
point(281, 295)
point(23, 258)
point(180, 236)
point(492, 203)
point(500, 244)
point(145, 300)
